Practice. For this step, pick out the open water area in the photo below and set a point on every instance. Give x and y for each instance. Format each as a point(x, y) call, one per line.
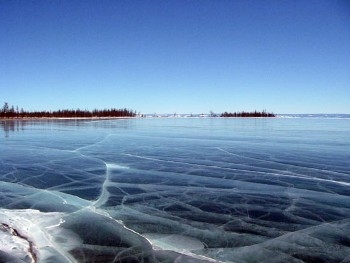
point(175, 190)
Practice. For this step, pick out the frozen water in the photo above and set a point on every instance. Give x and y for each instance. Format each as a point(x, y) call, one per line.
point(175, 190)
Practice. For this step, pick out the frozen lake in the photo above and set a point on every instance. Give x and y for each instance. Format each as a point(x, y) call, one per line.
point(175, 190)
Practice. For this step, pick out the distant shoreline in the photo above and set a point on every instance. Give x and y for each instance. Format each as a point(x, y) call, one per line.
point(121, 118)
point(10, 112)
point(181, 116)
point(63, 118)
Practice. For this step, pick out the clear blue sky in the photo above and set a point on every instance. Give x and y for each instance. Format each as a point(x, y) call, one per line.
point(176, 56)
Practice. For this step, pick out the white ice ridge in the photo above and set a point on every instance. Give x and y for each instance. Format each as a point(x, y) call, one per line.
point(103, 198)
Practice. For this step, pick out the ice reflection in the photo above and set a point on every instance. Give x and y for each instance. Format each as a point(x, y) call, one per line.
point(174, 191)
point(9, 126)
point(14, 125)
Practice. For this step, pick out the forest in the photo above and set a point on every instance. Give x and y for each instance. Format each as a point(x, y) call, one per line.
point(244, 114)
point(10, 112)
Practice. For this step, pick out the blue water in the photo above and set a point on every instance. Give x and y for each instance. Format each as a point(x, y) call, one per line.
point(175, 190)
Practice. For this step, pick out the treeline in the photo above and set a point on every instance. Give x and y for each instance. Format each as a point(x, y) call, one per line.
point(8, 112)
point(248, 114)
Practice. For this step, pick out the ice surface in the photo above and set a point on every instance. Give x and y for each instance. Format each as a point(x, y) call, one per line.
point(175, 190)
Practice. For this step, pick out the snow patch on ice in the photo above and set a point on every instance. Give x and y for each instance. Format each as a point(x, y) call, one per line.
point(178, 243)
point(115, 166)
